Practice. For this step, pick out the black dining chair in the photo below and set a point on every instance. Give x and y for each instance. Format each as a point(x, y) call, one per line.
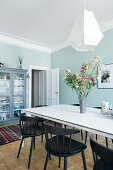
point(43, 120)
point(86, 133)
point(59, 142)
point(52, 122)
point(102, 156)
point(30, 127)
point(80, 130)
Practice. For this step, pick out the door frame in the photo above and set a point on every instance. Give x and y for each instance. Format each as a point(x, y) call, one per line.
point(31, 67)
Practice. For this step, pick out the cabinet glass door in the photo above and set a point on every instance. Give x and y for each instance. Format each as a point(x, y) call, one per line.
point(5, 96)
point(18, 105)
point(19, 84)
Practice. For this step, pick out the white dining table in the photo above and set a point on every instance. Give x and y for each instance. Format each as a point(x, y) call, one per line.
point(92, 121)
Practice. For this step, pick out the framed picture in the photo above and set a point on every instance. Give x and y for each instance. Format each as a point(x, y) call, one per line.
point(106, 77)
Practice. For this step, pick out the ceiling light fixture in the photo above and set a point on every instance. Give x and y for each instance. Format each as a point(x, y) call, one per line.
point(85, 34)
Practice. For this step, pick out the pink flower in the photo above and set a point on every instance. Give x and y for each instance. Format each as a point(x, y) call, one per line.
point(76, 85)
point(83, 83)
point(74, 75)
point(100, 67)
point(90, 81)
point(68, 70)
point(86, 67)
point(79, 78)
point(94, 66)
point(98, 59)
point(87, 78)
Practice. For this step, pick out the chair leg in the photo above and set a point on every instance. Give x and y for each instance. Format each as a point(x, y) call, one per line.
point(86, 137)
point(65, 163)
point(112, 141)
point(106, 142)
point(84, 161)
point(32, 141)
point(59, 161)
point(81, 134)
point(96, 136)
point(42, 139)
point(20, 147)
point(47, 157)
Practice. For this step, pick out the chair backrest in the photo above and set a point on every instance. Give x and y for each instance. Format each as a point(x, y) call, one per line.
point(76, 104)
point(104, 153)
point(97, 107)
point(29, 124)
point(52, 131)
point(41, 106)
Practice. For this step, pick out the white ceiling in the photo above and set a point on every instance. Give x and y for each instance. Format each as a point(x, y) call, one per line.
point(48, 22)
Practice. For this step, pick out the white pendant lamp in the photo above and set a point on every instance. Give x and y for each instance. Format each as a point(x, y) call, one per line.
point(86, 33)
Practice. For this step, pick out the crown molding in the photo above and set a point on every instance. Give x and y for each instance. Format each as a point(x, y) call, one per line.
point(59, 47)
point(13, 40)
point(107, 23)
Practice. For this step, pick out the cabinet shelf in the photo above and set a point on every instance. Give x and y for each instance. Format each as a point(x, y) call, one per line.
point(18, 86)
point(2, 104)
point(4, 79)
point(18, 109)
point(7, 111)
point(18, 102)
point(18, 80)
point(18, 95)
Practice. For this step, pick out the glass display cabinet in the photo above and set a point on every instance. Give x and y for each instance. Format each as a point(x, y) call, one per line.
point(12, 93)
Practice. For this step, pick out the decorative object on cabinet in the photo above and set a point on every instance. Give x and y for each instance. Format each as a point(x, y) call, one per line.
point(20, 61)
point(12, 94)
point(1, 64)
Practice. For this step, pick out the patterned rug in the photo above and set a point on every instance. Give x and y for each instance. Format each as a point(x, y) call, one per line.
point(9, 134)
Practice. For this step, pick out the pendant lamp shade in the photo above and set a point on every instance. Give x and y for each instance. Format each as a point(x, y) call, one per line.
point(86, 33)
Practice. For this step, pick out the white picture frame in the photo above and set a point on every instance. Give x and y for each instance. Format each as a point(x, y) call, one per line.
point(105, 80)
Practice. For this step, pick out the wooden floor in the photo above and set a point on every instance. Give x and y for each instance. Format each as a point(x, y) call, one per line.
point(8, 157)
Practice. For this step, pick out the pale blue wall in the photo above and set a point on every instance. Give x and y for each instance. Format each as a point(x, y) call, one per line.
point(72, 59)
point(9, 54)
point(65, 58)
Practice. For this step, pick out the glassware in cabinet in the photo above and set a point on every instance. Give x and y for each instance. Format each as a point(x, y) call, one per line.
point(18, 105)
point(18, 84)
point(4, 83)
point(4, 108)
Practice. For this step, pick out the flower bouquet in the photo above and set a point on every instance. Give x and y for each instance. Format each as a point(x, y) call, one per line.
point(84, 81)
